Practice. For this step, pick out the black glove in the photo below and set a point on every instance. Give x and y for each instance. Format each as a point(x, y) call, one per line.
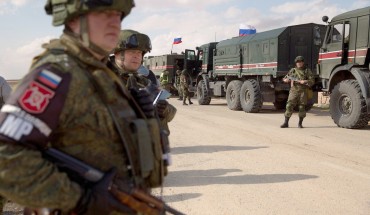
point(162, 108)
point(98, 200)
point(145, 101)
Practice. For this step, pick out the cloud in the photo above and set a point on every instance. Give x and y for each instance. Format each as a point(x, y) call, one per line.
point(10, 6)
point(15, 62)
point(360, 4)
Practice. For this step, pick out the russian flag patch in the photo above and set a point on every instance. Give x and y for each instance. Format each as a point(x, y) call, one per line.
point(49, 79)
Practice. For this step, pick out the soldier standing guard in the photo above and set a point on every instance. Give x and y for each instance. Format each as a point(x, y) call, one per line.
point(178, 84)
point(70, 100)
point(184, 82)
point(300, 79)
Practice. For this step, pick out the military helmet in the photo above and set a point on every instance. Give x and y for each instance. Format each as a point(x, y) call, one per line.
point(299, 58)
point(130, 39)
point(64, 10)
point(184, 72)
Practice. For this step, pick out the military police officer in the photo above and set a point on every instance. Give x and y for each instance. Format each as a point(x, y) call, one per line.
point(300, 79)
point(72, 101)
point(127, 59)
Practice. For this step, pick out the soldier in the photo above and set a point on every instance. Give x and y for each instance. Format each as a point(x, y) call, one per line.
point(70, 100)
point(184, 82)
point(5, 91)
point(178, 85)
point(300, 79)
point(164, 79)
point(127, 59)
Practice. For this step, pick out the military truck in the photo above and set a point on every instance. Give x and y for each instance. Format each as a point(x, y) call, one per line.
point(169, 62)
point(344, 67)
point(248, 70)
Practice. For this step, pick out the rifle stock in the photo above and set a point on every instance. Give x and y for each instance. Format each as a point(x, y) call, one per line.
point(132, 197)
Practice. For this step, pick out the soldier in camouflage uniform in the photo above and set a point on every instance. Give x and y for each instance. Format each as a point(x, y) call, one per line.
point(300, 79)
point(72, 101)
point(5, 91)
point(184, 82)
point(127, 59)
point(178, 85)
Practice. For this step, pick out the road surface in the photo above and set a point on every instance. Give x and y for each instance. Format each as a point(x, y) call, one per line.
point(231, 162)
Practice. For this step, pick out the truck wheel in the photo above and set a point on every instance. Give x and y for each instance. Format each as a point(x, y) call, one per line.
point(348, 106)
point(233, 95)
point(250, 96)
point(202, 93)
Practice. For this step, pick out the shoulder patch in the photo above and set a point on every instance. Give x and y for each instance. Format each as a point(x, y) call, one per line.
point(35, 98)
point(32, 112)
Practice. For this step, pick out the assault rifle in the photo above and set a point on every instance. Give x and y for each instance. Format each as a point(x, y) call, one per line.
point(294, 80)
point(130, 196)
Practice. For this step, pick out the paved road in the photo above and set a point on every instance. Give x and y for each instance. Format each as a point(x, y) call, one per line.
point(231, 162)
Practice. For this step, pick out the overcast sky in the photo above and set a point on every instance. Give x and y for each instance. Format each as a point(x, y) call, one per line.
point(24, 26)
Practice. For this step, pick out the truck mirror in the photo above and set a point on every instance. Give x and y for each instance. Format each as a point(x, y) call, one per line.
point(325, 19)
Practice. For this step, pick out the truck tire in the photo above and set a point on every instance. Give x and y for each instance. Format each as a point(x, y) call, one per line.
point(233, 95)
point(347, 105)
point(202, 93)
point(250, 96)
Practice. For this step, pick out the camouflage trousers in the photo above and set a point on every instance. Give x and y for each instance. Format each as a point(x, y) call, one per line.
point(297, 96)
point(185, 93)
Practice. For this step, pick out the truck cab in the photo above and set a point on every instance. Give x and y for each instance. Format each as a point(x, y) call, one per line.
point(344, 67)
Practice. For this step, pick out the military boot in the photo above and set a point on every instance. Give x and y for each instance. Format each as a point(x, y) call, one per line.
point(300, 122)
point(190, 103)
point(184, 102)
point(285, 124)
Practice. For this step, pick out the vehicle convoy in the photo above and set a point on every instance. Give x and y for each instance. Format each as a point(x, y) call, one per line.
point(248, 70)
point(344, 67)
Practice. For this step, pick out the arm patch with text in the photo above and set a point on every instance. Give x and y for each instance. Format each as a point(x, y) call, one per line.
point(32, 111)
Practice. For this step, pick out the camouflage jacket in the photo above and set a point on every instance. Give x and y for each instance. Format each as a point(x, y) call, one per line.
point(140, 81)
point(184, 81)
point(301, 74)
point(56, 104)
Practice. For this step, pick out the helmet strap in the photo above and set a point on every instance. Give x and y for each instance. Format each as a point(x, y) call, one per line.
point(84, 31)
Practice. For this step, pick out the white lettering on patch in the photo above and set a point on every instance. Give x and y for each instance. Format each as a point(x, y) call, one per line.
point(39, 124)
point(15, 127)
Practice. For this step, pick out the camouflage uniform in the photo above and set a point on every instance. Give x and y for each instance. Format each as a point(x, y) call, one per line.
point(298, 92)
point(184, 82)
point(132, 79)
point(58, 104)
point(5, 91)
point(178, 85)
